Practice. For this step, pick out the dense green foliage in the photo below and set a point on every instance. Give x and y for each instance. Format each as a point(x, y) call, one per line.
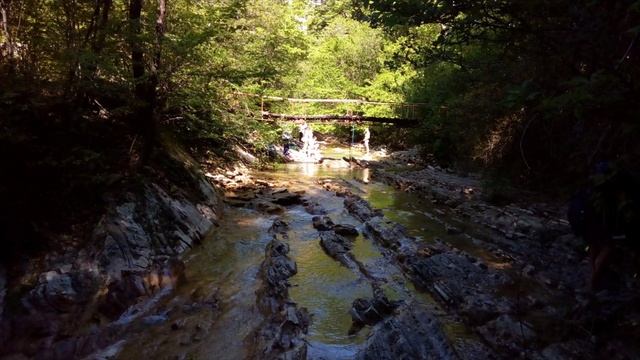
point(530, 87)
point(526, 87)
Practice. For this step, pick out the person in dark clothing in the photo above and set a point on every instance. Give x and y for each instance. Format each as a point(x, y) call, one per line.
point(605, 215)
point(286, 143)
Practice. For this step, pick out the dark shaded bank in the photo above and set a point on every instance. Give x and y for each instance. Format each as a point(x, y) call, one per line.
point(88, 258)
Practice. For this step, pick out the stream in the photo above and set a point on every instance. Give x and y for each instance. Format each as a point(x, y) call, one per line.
point(226, 265)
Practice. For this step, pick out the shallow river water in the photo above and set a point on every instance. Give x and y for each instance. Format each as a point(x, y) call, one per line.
point(227, 263)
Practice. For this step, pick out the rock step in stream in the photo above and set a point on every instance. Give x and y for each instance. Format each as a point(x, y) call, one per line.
point(282, 333)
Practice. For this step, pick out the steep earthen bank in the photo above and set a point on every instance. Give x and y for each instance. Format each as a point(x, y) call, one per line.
point(79, 300)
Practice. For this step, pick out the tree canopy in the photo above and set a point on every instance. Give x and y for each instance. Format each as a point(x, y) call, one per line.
point(525, 87)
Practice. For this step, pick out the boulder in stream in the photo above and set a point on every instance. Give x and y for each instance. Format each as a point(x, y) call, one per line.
point(345, 230)
point(370, 311)
point(275, 270)
point(268, 207)
point(335, 163)
point(279, 226)
point(314, 208)
point(284, 197)
point(322, 223)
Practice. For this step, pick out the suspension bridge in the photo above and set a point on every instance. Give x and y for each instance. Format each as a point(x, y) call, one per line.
point(353, 110)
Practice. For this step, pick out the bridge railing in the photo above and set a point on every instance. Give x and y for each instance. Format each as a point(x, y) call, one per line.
point(337, 109)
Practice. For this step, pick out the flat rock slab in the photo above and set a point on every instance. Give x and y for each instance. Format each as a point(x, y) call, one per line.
point(464, 282)
point(573, 349)
point(391, 235)
point(338, 247)
point(333, 186)
point(413, 333)
point(268, 207)
point(345, 230)
point(507, 333)
point(335, 163)
point(314, 208)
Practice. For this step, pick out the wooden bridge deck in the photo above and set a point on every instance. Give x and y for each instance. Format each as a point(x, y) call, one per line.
point(401, 122)
point(409, 114)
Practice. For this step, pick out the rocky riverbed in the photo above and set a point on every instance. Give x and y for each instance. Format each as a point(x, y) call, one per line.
point(512, 276)
point(519, 277)
point(367, 259)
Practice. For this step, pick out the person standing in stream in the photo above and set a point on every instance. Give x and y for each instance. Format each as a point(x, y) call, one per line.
point(367, 135)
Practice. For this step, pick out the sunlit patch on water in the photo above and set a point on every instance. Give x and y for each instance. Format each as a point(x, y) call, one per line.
point(324, 287)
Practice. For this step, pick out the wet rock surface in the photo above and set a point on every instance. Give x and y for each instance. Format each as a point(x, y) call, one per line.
point(275, 271)
point(338, 247)
point(282, 334)
point(132, 256)
point(371, 311)
point(261, 196)
point(519, 297)
point(462, 281)
point(484, 293)
point(345, 230)
point(314, 208)
point(360, 208)
point(522, 278)
point(389, 234)
point(411, 334)
point(334, 163)
point(507, 333)
point(322, 223)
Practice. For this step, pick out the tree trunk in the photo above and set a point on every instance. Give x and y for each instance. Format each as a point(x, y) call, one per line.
point(94, 39)
point(101, 33)
point(154, 76)
point(144, 90)
point(98, 34)
point(7, 47)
